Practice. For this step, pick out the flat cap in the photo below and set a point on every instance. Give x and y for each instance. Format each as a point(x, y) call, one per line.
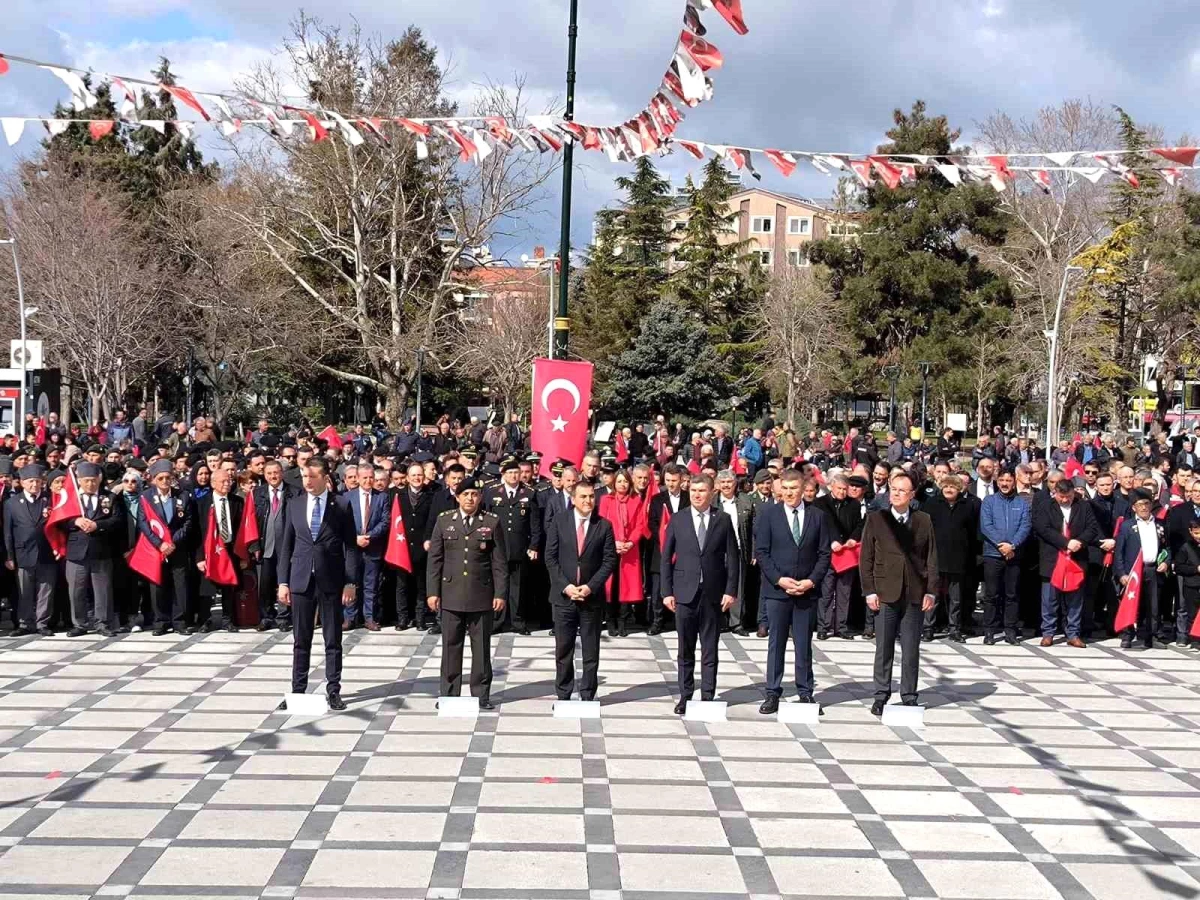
point(88, 470)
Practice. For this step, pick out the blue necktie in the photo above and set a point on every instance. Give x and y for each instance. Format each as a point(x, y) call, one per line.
point(314, 524)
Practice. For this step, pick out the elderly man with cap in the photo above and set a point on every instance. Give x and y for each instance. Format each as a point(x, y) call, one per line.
point(1146, 537)
point(173, 600)
point(467, 580)
point(91, 546)
point(513, 504)
point(29, 553)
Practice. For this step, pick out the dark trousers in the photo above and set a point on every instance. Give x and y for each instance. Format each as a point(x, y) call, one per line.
point(798, 617)
point(1000, 580)
point(585, 619)
point(702, 620)
point(514, 615)
point(304, 614)
point(1057, 605)
point(950, 593)
point(836, 588)
point(658, 613)
point(1148, 611)
point(1095, 600)
point(410, 595)
point(905, 619)
point(456, 626)
point(35, 587)
point(171, 599)
point(268, 588)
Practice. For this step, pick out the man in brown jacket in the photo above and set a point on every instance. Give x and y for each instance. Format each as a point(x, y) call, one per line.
point(899, 572)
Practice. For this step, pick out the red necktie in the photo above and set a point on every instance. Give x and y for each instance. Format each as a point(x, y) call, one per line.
point(274, 500)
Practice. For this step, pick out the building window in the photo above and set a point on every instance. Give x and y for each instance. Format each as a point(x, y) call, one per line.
point(798, 259)
point(842, 229)
point(764, 258)
point(799, 225)
point(762, 225)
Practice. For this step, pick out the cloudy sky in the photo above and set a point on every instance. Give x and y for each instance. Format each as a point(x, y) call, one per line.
point(810, 75)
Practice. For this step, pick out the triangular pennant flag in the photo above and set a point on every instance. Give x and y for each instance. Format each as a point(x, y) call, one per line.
point(158, 125)
point(187, 98)
point(691, 78)
point(498, 128)
point(834, 162)
point(219, 102)
point(1091, 173)
point(1042, 179)
point(349, 132)
point(1185, 156)
point(187, 130)
point(609, 144)
point(1171, 176)
point(1000, 164)
point(128, 98)
point(13, 129)
point(862, 168)
point(668, 108)
point(996, 180)
point(524, 140)
point(784, 162)
point(422, 148)
point(748, 161)
point(920, 158)
point(1061, 159)
point(550, 138)
point(278, 126)
point(316, 131)
point(481, 144)
point(731, 10)
point(735, 156)
point(100, 128)
point(819, 165)
point(950, 172)
point(889, 173)
point(374, 125)
point(706, 54)
point(56, 126)
point(691, 19)
point(574, 129)
point(81, 96)
point(466, 149)
point(230, 128)
point(671, 83)
point(693, 147)
point(591, 139)
point(3, 65)
point(417, 128)
point(648, 143)
point(631, 141)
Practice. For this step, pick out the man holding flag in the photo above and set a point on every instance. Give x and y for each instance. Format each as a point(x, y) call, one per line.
point(90, 550)
point(1142, 555)
point(221, 513)
point(163, 551)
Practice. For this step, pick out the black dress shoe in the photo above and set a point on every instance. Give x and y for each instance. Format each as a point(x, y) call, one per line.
point(681, 707)
point(206, 628)
point(282, 707)
point(762, 631)
point(435, 628)
point(989, 639)
point(805, 698)
point(911, 702)
point(868, 635)
point(623, 631)
point(191, 629)
point(741, 632)
point(524, 632)
point(160, 631)
point(262, 626)
point(46, 632)
point(770, 706)
point(927, 635)
point(957, 638)
point(877, 707)
point(822, 635)
point(1012, 639)
point(77, 632)
point(612, 630)
point(1126, 643)
point(485, 703)
point(656, 628)
point(846, 636)
point(104, 631)
point(231, 628)
point(285, 627)
point(336, 702)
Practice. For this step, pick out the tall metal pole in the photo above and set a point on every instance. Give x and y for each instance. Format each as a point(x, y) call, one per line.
point(188, 382)
point(924, 396)
point(12, 243)
point(562, 324)
point(420, 367)
point(550, 330)
point(1051, 398)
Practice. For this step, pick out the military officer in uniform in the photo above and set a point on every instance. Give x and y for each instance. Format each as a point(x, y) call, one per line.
point(29, 552)
point(466, 580)
point(513, 504)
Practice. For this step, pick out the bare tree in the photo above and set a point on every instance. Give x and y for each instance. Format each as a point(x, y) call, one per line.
point(99, 291)
point(376, 237)
point(802, 331)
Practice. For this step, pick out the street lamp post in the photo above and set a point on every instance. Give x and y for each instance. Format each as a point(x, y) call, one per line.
point(1052, 337)
point(20, 423)
point(562, 324)
point(420, 368)
point(892, 374)
point(925, 370)
point(526, 259)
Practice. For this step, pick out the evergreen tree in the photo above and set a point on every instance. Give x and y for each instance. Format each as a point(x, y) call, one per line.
point(626, 267)
point(672, 368)
point(908, 281)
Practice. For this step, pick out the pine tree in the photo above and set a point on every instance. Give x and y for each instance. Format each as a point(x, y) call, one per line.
point(908, 281)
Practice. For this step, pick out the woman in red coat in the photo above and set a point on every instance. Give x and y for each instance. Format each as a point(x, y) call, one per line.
point(626, 511)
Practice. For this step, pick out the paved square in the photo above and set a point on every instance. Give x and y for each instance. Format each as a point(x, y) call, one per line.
point(157, 767)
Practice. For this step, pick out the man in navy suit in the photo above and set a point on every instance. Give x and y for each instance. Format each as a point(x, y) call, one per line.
point(372, 519)
point(316, 571)
point(791, 544)
point(700, 568)
point(1144, 536)
point(174, 600)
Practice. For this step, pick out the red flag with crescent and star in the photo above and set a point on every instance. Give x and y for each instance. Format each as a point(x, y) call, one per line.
point(397, 549)
point(66, 507)
point(248, 532)
point(562, 397)
point(218, 567)
point(146, 559)
point(1127, 611)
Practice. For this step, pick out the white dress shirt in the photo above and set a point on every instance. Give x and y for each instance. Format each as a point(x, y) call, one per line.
point(586, 521)
point(901, 517)
point(674, 499)
point(1066, 514)
point(308, 507)
point(730, 508)
point(790, 511)
point(1149, 534)
point(699, 516)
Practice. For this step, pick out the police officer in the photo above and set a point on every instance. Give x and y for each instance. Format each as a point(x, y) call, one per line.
point(467, 580)
point(29, 552)
point(513, 504)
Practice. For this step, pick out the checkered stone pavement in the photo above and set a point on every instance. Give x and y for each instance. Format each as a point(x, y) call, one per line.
point(156, 767)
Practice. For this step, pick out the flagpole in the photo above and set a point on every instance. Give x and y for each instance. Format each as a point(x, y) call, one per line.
point(562, 324)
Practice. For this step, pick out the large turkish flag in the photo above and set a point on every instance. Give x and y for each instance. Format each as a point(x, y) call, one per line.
point(562, 396)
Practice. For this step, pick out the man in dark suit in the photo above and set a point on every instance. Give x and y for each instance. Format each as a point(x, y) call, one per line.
point(173, 600)
point(316, 572)
point(29, 553)
point(1144, 536)
point(899, 571)
point(581, 553)
point(416, 507)
point(270, 498)
point(371, 512)
point(226, 510)
point(1081, 532)
point(700, 570)
point(513, 504)
point(91, 542)
point(791, 544)
point(471, 540)
point(663, 505)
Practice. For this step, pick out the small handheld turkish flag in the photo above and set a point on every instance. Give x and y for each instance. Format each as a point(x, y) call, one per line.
point(331, 437)
point(218, 567)
point(146, 559)
point(248, 532)
point(66, 506)
point(397, 550)
point(1127, 612)
point(562, 395)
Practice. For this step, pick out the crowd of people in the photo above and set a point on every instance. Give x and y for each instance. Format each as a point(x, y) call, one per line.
point(1005, 521)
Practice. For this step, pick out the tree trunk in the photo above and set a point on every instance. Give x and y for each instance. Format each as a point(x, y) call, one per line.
point(395, 394)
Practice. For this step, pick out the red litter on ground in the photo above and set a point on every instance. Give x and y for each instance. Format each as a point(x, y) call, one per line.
point(546, 780)
point(55, 774)
point(1015, 790)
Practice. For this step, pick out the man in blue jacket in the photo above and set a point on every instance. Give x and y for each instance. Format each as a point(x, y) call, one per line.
point(791, 544)
point(1004, 524)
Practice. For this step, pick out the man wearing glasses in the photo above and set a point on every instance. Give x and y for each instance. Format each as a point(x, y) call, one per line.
point(899, 572)
point(1091, 472)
